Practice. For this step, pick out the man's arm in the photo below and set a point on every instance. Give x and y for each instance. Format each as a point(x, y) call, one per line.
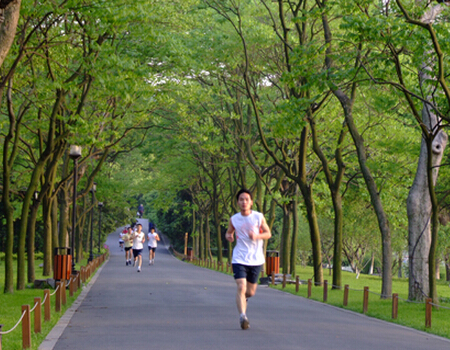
point(230, 232)
point(264, 234)
point(157, 237)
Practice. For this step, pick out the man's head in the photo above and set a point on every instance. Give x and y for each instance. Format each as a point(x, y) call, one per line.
point(244, 190)
point(245, 200)
point(139, 226)
point(152, 229)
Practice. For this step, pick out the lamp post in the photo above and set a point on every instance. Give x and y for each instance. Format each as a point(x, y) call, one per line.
point(100, 206)
point(74, 153)
point(93, 189)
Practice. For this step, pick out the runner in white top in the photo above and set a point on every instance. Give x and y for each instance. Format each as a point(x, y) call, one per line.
point(248, 256)
point(138, 245)
point(153, 238)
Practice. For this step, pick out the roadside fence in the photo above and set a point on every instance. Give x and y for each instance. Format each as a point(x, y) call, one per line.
point(284, 279)
point(60, 293)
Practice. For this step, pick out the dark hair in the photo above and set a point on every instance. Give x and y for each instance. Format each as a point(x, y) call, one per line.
point(244, 190)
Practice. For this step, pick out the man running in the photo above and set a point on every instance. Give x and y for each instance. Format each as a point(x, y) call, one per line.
point(138, 240)
point(153, 238)
point(128, 239)
point(248, 256)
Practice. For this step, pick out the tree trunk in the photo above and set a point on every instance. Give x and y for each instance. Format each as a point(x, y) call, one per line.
point(285, 238)
point(48, 254)
point(31, 241)
point(8, 28)
point(202, 237)
point(419, 209)
point(294, 209)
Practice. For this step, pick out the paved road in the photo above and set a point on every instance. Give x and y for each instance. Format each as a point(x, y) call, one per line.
point(174, 305)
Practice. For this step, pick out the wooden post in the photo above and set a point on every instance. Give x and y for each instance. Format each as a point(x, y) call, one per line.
point(26, 328)
point(273, 278)
point(37, 315)
point(428, 308)
point(58, 297)
point(309, 287)
point(185, 243)
point(394, 306)
point(325, 291)
point(47, 305)
point(284, 280)
point(366, 300)
point(346, 289)
point(297, 284)
point(78, 284)
point(63, 292)
point(71, 286)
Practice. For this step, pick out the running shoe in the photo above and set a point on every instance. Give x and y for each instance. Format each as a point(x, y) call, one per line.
point(243, 320)
point(126, 263)
point(139, 269)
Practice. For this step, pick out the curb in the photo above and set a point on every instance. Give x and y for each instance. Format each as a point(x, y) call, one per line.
point(52, 338)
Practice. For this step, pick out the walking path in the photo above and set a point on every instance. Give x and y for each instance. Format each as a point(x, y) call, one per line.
point(175, 305)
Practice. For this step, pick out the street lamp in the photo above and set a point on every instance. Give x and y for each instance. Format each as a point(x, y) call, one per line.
point(74, 153)
point(100, 206)
point(93, 189)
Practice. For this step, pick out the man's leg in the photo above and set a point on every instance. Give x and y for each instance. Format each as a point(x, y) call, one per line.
point(241, 303)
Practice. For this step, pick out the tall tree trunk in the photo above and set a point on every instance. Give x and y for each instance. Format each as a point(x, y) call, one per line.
point(383, 223)
point(202, 236)
point(285, 238)
point(295, 219)
point(8, 28)
point(208, 237)
point(48, 254)
point(31, 241)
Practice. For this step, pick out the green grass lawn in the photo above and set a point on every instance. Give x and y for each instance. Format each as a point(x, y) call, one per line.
point(11, 304)
point(409, 314)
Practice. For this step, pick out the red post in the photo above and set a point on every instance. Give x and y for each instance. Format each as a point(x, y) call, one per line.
point(63, 292)
point(37, 315)
point(1, 336)
point(325, 291)
point(284, 280)
point(273, 278)
point(428, 308)
point(71, 286)
point(346, 289)
point(309, 288)
point(47, 305)
point(297, 284)
point(366, 300)
point(26, 328)
point(58, 297)
point(394, 306)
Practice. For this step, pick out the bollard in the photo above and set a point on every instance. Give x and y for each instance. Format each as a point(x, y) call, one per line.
point(37, 315)
point(325, 291)
point(309, 288)
point(346, 289)
point(284, 280)
point(221, 266)
point(428, 308)
point(273, 278)
point(58, 297)
point(394, 306)
point(366, 300)
point(47, 305)
point(1, 336)
point(78, 284)
point(297, 284)
point(63, 292)
point(71, 286)
point(26, 328)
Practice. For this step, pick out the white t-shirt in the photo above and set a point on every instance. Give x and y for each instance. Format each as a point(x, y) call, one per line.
point(152, 242)
point(248, 252)
point(137, 241)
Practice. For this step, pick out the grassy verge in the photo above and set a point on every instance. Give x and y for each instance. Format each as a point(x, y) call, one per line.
point(10, 310)
point(409, 314)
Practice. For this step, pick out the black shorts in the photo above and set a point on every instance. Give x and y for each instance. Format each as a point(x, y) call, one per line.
point(151, 248)
point(250, 273)
point(137, 252)
point(127, 248)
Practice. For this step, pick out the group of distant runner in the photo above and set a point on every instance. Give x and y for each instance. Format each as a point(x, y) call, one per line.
point(133, 239)
point(248, 227)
